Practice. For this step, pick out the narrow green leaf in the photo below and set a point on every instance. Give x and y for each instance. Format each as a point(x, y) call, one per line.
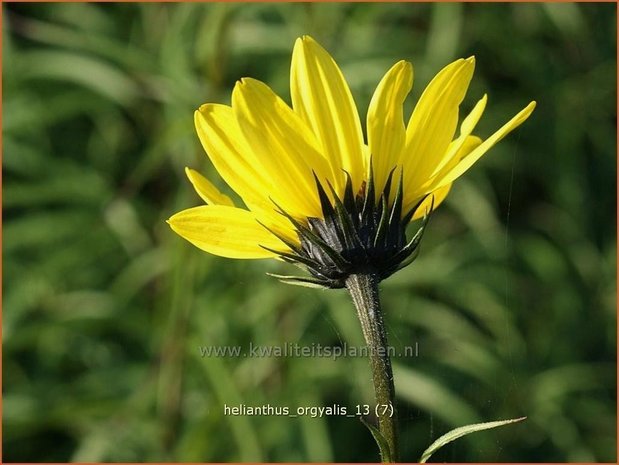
point(383, 446)
point(463, 431)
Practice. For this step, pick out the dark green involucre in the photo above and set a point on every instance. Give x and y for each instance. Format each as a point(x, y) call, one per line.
point(357, 234)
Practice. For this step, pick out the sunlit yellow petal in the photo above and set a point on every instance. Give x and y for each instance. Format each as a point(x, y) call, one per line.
point(385, 121)
point(476, 154)
point(466, 128)
point(272, 155)
point(278, 224)
point(232, 157)
point(437, 197)
point(284, 146)
point(471, 120)
point(320, 95)
point(434, 120)
point(234, 160)
point(461, 149)
point(206, 190)
point(225, 231)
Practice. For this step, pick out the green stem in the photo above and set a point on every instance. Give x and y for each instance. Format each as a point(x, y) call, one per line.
point(363, 289)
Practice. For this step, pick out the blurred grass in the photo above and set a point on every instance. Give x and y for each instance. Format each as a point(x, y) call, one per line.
point(512, 301)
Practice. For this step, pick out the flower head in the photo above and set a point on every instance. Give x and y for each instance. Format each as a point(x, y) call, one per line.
point(317, 194)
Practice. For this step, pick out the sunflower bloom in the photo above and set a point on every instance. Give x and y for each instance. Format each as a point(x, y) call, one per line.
point(318, 195)
point(312, 190)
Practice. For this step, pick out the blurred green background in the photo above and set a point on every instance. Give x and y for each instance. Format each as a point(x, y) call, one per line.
point(511, 303)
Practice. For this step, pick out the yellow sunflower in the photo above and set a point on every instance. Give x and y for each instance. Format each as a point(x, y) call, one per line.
point(316, 193)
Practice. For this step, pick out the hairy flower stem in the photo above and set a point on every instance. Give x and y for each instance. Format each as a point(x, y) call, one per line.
point(363, 289)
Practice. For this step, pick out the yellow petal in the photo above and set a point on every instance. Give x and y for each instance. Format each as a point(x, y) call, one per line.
point(461, 149)
point(225, 231)
point(476, 154)
point(320, 95)
point(278, 223)
point(284, 147)
point(471, 120)
point(466, 128)
point(206, 190)
point(237, 165)
point(385, 121)
point(438, 195)
point(434, 120)
point(232, 157)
